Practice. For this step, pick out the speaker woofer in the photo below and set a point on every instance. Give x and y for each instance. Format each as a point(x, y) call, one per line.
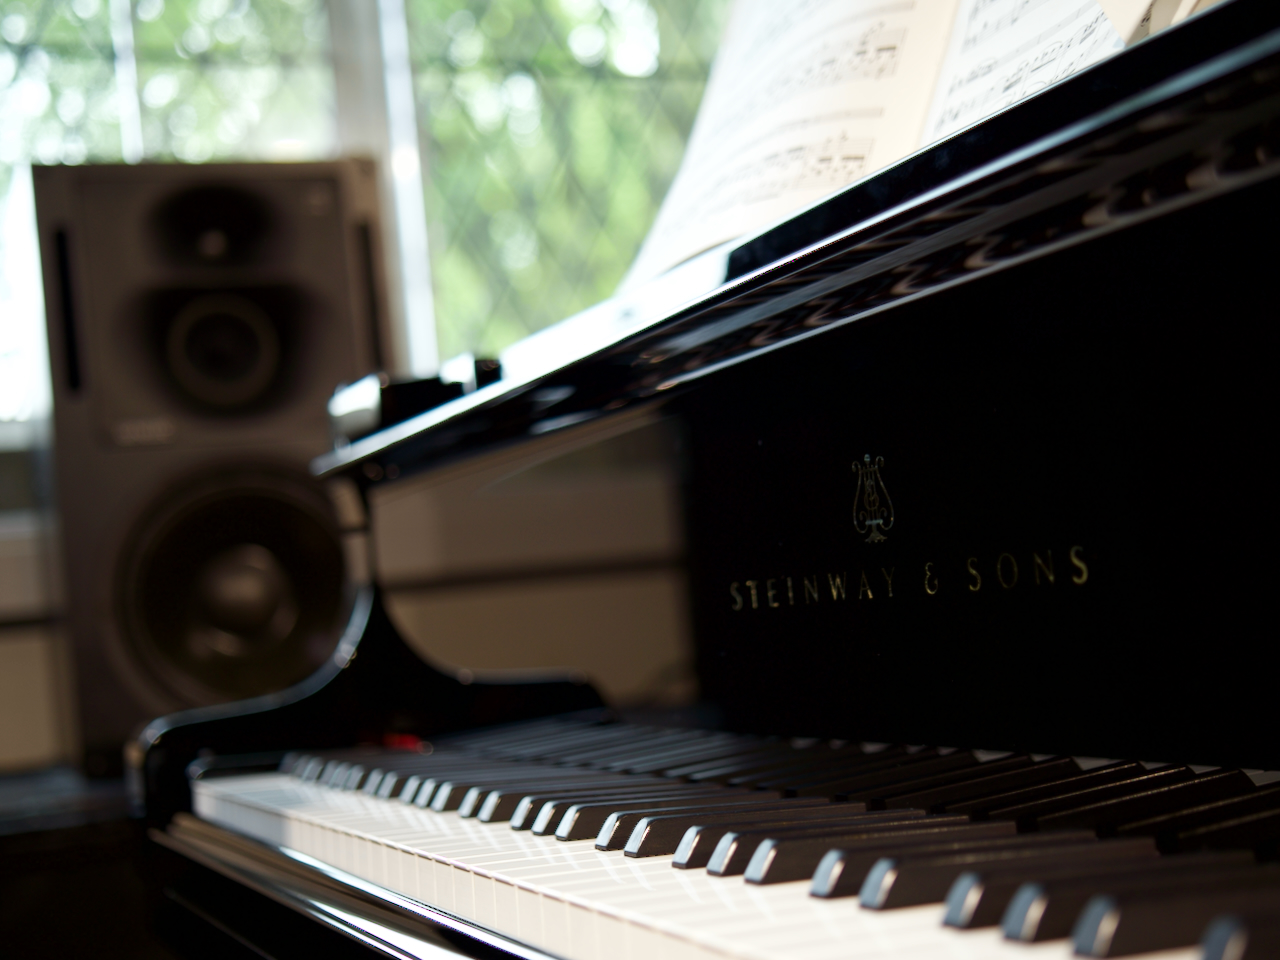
point(234, 586)
point(223, 350)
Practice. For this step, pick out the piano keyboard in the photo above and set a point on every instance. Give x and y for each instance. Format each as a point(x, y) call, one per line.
point(593, 840)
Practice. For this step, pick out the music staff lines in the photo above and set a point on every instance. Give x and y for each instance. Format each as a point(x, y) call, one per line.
point(999, 82)
point(871, 56)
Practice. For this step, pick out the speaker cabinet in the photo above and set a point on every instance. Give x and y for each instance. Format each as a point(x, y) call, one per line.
point(199, 318)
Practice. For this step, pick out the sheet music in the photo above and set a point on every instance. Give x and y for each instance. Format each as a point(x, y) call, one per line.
point(1004, 50)
point(805, 97)
point(808, 96)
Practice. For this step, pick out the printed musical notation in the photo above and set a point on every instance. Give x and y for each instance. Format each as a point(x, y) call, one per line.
point(815, 167)
point(871, 55)
point(988, 18)
point(1010, 49)
point(800, 94)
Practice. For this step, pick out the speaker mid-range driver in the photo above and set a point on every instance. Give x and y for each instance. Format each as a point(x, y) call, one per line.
point(233, 586)
point(222, 350)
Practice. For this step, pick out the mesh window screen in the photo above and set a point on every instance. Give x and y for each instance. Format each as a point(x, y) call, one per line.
point(551, 130)
point(243, 79)
point(234, 78)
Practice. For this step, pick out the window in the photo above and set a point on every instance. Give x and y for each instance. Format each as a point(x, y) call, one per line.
point(106, 80)
point(551, 130)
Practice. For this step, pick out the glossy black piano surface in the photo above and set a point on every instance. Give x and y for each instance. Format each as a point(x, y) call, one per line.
point(976, 453)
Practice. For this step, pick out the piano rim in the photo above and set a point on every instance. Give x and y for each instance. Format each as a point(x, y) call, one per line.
point(355, 908)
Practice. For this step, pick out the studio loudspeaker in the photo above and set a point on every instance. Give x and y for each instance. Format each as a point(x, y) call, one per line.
point(199, 318)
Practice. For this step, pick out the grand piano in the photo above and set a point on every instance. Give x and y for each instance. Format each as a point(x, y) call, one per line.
point(982, 564)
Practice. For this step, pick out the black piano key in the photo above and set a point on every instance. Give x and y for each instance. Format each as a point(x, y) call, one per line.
point(1243, 935)
point(1027, 815)
point(1104, 815)
point(818, 758)
point(385, 785)
point(819, 762)
point(1169, 824)
point(451, 792)
point(544, 811)
point(524, 729)
point(540, 745)
point(583, 820)
point(372, 782)
point(876, 798)
point(741, 771)
point(660, 834)
point(434, 778)
point(840, 763)
point(332, 769)
point(713, 745)
point(979, 807)
point(1047, 908)
point(846, 763)
point(908, 881)
point(552, 805)
point(940, 799)
point(861, 782)
point(1257, 830)
point(787, 858)
point(794, 844)
point(654, 760)
point(1122, 924)
point(500, 803)
point(311, 772)
point(698, 843)
point(530, 781)
point(403, 781)
point(615, 832)
point(743, 760)
point(625, 747)
point(408, 788)
point(980, 895)
point(536, 778)
point(544, 748)
point(529, 807)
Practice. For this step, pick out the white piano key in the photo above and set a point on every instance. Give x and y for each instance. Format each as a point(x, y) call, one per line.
point(577, 902)
point(505, 909)
point(464, 900)
point(425, 867)
point(529, 915)
point(584, 939)
point(555, 925)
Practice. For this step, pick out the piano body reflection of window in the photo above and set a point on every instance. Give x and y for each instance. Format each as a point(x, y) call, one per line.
point(970, 462)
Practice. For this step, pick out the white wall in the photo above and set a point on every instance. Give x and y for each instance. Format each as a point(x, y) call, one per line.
point(34, 731)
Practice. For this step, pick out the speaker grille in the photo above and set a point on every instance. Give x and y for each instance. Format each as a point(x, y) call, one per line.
point(234, 585)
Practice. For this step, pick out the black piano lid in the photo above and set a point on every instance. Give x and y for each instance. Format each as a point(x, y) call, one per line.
point(1064, 358)
point(1153, 102)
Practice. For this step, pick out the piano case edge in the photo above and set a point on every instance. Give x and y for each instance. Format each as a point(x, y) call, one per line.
point(373, 916)
point(374, 685)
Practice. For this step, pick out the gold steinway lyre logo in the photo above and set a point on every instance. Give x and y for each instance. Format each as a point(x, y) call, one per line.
point(872, 508)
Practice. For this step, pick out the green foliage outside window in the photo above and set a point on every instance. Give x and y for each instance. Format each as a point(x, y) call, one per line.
point(57, 86)
point(551, 130)
point(239, 79)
